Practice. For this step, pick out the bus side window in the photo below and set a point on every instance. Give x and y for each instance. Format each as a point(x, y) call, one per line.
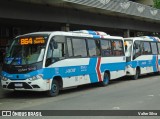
point(92, 47)
point(59, 52)
point(136, 49)
point(79, 47)
point(146, 49)
point(158, 48)
point(49, 54)
point(154, 48)
point(98, 51)
point(56, 50)
point(106, 48)
point(69, 47)
point(117, 47)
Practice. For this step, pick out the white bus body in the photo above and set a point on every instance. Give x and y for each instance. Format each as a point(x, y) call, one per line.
point(67, 59)
point(142, 55)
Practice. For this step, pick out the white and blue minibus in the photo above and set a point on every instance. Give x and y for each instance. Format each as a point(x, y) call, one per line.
point(52, 61)
point(142, 55)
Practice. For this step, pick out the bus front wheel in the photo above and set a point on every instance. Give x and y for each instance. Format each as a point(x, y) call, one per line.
point(135, 77)
point(54, 91)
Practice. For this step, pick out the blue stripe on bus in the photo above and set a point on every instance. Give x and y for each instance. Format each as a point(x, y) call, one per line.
point(142, 63)
point(22, 76)
point(49, 73)
point(96, 36)
point(91, 32)
point(113, 66)
point(145, 63)
point(92, 70)
point(154, 63)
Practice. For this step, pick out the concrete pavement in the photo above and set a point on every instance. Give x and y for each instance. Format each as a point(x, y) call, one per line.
point(2, 92)
point(121, 94)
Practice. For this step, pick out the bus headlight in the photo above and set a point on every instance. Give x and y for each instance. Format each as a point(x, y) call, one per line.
point(129, 66)
point(39, 76)
point(4, 78)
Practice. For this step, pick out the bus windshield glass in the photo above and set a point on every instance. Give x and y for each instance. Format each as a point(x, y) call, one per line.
point(26, 50)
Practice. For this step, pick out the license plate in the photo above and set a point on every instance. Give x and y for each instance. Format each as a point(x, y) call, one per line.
point(18, 85)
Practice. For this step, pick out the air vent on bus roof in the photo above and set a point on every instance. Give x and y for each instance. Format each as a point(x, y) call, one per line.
point(91, 32)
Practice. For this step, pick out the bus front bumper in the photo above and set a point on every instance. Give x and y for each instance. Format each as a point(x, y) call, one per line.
point(26, 85)
point(130, 71)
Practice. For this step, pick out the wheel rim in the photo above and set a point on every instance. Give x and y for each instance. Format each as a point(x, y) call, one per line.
point(54, 88)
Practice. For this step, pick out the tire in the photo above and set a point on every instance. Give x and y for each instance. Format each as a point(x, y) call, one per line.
point(54, 91)
point(105, 81)
point(135, 77)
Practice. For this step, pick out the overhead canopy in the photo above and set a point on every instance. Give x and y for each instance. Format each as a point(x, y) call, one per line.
point(122, 14)
point(122, 8)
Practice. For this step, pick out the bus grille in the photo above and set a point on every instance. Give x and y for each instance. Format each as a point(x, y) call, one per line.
point(25, 85)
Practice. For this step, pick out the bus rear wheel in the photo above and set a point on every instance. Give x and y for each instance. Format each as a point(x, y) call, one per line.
point(54, 91)
point(135, 77)
point(105, 81)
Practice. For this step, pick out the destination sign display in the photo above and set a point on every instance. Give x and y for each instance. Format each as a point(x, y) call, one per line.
point(30, 40)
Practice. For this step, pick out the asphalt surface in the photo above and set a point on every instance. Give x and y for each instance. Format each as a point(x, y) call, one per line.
point(121, 94)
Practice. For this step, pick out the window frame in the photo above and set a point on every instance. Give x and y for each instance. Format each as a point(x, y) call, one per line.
point(123, 50)
point(91, 39)
point(49, 44)
point(110, 49)
point(150, 48)
point(65, 43)
point(99, 46)
point(71, 47)
point(71, 38)
point(140, 42)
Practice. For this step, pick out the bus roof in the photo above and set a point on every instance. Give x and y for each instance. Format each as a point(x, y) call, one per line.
point(81, 33)
point(144, 38)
